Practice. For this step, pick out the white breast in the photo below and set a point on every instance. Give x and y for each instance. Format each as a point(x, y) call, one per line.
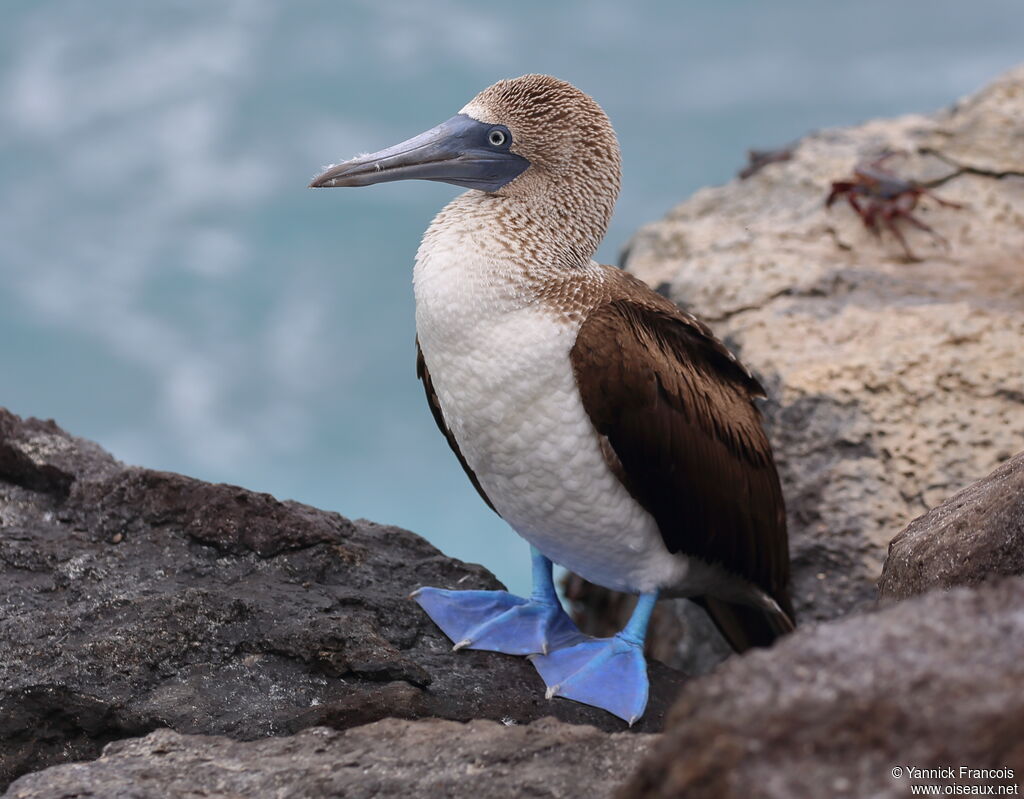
point(499, 362)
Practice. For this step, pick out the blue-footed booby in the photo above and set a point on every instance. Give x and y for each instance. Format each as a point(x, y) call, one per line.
point(609, 428)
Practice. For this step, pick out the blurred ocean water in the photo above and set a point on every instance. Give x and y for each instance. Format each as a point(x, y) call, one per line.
point(169, 287)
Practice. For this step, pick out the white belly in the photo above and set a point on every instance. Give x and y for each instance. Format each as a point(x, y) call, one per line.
point(505, 385)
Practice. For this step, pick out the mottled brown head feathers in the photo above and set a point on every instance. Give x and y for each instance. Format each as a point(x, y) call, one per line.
point(574, 156)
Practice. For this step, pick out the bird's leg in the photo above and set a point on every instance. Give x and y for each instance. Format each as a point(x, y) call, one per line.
point(498, 621)
point(609, 673)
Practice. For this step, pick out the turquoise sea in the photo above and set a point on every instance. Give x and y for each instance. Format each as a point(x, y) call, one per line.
point(170, 288)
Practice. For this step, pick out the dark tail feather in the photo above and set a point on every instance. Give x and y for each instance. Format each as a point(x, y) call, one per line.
point(744, 626)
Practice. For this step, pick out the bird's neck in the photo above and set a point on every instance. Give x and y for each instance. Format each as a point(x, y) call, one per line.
point(486, 256)
point(546, 231)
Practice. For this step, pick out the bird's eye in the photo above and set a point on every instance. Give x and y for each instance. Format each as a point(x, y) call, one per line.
point(496, 137)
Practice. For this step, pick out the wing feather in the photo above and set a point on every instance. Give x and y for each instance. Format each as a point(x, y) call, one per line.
point(677, 411)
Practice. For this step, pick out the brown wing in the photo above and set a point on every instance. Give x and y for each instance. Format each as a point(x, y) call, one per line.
point(677, 412)
point(435, 409)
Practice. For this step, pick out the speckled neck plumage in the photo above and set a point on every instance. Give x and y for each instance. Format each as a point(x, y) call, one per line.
point(563, 203)
point(516, 254)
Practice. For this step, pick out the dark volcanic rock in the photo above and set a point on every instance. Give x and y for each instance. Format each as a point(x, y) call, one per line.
point(136, 599)
point(975, 535)
point(931, 682)
point(387, 758)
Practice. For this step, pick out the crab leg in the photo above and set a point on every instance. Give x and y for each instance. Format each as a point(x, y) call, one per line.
point(889, 217)
point(940, 201)
point(922, 226)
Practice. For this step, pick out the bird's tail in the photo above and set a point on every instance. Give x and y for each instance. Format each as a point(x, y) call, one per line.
point(746, 626)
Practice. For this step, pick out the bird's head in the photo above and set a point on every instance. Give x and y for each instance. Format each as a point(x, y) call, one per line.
point(534, 138)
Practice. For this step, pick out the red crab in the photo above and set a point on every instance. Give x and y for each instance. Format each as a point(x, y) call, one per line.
point(878, 194)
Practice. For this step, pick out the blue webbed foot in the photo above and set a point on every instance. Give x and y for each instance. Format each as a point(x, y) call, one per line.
point(609, 673)
point(498, 621)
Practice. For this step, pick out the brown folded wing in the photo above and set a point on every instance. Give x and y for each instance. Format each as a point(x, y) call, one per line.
point(684, 436)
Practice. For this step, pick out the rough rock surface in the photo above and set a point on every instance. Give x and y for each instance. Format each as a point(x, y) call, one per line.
point(974, 536)
point(387, 758)
point(136, 599)
point(931, 682)
point(892, 384)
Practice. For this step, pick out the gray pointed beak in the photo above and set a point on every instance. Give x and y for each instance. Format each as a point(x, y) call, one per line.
point(460, 150)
